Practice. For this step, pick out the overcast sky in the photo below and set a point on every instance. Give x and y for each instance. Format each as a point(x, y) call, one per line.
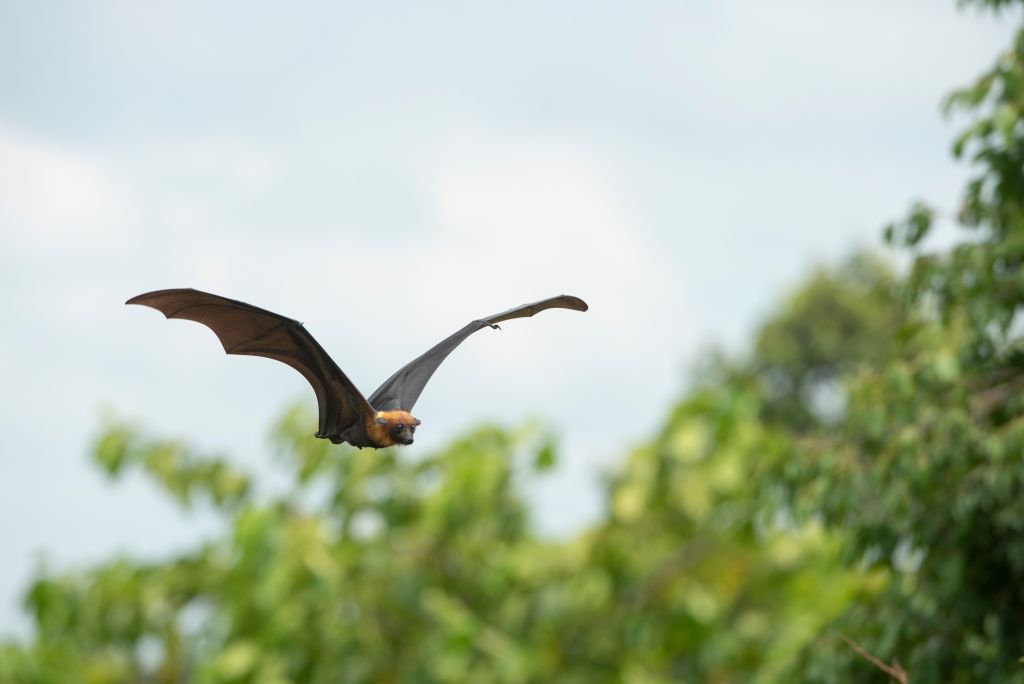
point(386, 172)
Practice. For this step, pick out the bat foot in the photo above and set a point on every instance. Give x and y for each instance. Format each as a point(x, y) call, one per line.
point(495, 326)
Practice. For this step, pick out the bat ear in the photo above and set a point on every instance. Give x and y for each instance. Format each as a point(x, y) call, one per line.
point(382, 421)
point(418, 421)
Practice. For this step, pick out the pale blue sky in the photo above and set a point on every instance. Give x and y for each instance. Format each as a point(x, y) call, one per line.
point(675, 164)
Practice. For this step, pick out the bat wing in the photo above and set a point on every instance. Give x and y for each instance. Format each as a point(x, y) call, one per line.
point(402, 389)
point(249, 330)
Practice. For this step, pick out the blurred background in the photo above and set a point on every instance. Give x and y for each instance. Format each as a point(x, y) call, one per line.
point(778, 422)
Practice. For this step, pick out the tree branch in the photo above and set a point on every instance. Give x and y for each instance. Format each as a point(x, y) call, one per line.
point(895, 670)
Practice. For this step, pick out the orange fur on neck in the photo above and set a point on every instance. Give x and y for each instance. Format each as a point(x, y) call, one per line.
point(381, 434)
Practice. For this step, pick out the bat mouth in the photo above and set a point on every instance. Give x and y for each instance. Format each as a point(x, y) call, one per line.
point(406, 442)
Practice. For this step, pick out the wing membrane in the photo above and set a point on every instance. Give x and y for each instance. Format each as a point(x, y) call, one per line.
point(248, 330)
point(402, 389)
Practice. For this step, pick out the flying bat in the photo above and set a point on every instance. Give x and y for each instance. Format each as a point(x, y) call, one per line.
point(381, 421)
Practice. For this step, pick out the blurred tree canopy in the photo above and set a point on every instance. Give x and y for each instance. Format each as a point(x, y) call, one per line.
point(859, 471)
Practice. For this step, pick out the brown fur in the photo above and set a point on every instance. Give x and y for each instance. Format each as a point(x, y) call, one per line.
point(381, 434)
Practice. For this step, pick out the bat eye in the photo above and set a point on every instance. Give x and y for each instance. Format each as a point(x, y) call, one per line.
point(400, 426)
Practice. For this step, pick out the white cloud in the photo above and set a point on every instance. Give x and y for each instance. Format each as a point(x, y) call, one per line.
point(804, 58)
point(540, 215)
point(50, 196)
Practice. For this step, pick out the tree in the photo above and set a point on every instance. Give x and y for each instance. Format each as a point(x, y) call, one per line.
point(925, 477)
point(377, 568)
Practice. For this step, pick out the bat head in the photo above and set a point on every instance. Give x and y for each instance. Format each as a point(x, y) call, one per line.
point(397, 427)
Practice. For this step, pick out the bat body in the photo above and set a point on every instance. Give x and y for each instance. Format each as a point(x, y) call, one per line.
point(346, 415)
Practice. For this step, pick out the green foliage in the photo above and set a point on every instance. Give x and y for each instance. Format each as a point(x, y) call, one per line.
point(980, 279)
point(834, 324)
point(378, 568)
point(179, 470)
point(994, 4)
point(926, 476)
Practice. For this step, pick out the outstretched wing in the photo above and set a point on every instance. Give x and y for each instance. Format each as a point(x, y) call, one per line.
point(402, 389)
point(249, 330)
